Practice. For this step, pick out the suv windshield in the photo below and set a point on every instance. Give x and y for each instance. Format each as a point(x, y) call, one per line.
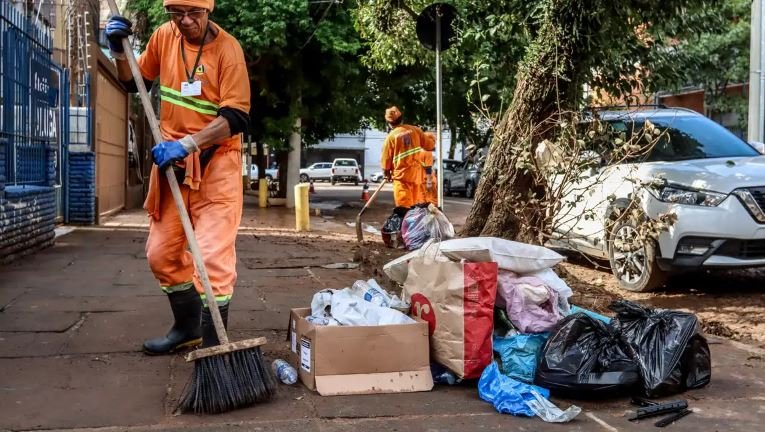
point(346, 163)
point(688, 137)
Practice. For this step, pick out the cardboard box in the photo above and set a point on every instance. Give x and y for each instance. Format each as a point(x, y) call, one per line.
point(360, 360)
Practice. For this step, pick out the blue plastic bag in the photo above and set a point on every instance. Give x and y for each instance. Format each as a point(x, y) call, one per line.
point(506, 394)
point(514, 397)
point(597, 316)
point(520, 354)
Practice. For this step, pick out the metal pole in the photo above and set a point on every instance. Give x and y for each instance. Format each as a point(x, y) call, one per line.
point(754, 132)
point(439, 108)
point(761, 110)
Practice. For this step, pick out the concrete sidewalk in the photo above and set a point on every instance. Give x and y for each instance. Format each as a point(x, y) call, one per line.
point(72, 319)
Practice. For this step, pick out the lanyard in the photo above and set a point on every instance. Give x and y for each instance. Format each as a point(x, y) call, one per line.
point(190, 75)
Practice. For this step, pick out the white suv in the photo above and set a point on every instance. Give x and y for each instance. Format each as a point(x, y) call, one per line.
point(710, 179)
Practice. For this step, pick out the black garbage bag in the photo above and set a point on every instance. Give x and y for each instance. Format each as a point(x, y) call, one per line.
point(584, 359)
point(667, 345)
point(391, 231)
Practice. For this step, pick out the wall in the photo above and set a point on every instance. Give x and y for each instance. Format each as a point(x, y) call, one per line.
point(82, 188)
point(111, 138)
point(27, 220)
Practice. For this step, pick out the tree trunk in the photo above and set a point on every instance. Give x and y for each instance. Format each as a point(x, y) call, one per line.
point(547, 83)
point(453, 146)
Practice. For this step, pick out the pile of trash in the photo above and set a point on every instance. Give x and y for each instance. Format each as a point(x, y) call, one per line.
point(494, 310)
point(498, 312)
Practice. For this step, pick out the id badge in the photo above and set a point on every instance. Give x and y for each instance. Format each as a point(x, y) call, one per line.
point(191, 89)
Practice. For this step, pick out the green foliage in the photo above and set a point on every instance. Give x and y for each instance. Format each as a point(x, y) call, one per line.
point(717, 58)
point(303, 58)
point(479, 69)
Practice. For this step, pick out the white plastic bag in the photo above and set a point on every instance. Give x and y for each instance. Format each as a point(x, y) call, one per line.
point(509, 255)
point(345, 308)
point(554, 282)
point(350, 310)
point(422, 224)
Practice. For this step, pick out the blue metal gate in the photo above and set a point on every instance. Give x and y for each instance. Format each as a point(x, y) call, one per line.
point(30, 108)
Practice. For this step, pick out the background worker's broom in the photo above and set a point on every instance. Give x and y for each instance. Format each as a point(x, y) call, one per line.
point(230, 375)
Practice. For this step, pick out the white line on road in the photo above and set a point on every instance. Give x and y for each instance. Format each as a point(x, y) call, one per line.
point(601, 422)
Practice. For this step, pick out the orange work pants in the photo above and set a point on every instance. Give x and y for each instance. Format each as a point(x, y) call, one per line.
point(406, 194)
point(215, 211)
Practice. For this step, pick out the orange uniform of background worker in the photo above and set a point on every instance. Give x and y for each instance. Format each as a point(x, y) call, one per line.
point(401, 158)
point(430, 182)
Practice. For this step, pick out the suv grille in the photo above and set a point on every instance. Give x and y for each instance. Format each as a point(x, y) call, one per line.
point(759, 195)
point(743, 249)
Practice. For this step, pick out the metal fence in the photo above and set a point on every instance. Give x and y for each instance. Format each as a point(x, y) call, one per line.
point(29, 103)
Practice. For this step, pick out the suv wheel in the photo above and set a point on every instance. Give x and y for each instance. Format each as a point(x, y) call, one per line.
point(304, 178)
point(447, 188)
point(469, 190)
point(333, 181)
point(633, 260)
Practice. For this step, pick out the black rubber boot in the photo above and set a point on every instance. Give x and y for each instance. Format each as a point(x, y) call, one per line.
point(185, 333)
point(209, 336)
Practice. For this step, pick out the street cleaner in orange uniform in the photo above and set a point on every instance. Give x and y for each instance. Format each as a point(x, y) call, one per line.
point(401, 160)
point(205, 103)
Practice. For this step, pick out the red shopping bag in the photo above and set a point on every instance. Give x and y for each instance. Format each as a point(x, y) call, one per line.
point(457, 301)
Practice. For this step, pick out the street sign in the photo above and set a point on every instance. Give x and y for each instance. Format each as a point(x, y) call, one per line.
point(435, 30)
point(426, 25)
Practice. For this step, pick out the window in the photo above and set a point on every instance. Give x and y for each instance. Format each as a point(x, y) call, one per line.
point(688, 137)
point(346, 163)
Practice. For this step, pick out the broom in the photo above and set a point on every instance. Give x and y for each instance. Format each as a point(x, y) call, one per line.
point(231, 375)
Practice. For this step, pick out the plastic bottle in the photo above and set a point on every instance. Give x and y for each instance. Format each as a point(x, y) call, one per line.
point(371, 293)
point(286, 373)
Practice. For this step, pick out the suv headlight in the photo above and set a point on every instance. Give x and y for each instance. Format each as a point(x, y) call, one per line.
point(677, 195)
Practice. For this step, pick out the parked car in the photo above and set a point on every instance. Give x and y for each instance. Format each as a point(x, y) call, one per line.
point(271, 173)
point(317, 171)
point(450, 168)
point(461, 177)
point(377, 177)
point(710, 179)
point(345, 170)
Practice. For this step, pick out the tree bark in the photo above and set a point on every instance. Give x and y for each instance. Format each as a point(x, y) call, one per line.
point(547, 83)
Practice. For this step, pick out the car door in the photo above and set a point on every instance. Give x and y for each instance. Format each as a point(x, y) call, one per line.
point(574, 221)
point(324, 171)
point(458, 178)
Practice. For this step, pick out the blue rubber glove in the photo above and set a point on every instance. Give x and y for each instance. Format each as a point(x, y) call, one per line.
point(168, 152)
point(117, 28)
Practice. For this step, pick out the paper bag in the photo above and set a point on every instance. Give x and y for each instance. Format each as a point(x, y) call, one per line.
point(457, 301)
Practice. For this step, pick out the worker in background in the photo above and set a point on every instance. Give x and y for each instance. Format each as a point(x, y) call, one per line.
point(401, 160)
point(430, 182)
point(205, 100)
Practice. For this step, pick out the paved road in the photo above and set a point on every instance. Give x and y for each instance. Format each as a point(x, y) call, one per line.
point(456, 208)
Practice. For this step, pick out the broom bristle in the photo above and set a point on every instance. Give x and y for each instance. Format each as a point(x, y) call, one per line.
point(225, 382)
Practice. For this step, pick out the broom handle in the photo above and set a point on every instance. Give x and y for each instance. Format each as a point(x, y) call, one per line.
point(177, 197)
point(359, 232)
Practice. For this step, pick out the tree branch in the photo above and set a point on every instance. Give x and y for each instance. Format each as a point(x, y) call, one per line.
point(402, 4)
